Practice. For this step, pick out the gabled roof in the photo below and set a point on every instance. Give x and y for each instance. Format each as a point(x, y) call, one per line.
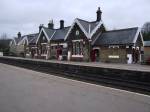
point(147, 43)
point(54, 34)
point(118, 37)
point(33, 41)
point(17, 40)
point(32, 36)
point(88, 28)
point(60, 33)
point(28, 38)
point(49, 32)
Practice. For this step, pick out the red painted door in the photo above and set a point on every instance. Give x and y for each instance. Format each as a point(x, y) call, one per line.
point(93, 58)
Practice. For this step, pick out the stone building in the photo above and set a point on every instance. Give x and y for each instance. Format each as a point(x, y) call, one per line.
point(50, 42)
point(15, 48)
point(147, 51)
point(89, 41)
point(80, 37)
point(20, 46)
point(28, 44)
point(84, 41)
point(123, 46)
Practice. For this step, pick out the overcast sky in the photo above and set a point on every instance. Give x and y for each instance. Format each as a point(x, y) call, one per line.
point(26, 15)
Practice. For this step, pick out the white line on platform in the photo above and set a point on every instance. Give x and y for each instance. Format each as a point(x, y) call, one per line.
point(107, 87)
point(98, 85)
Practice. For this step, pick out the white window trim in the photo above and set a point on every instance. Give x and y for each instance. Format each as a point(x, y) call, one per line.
point(34, 47)
point(96, 48)
point(28, 54)
point(114, 46)
point(77, 40)
point(77, 56)
point(113, 56)
point(77, 33)
point(64, 44)
point(43, 54)
point(54, 44)
point(47, 46)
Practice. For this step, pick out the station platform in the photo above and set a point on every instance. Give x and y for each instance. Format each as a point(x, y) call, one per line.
point(135, 77)
point(132, 67)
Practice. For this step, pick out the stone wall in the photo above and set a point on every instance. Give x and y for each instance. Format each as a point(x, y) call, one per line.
point(146, 53)
point(125, 78)
point(106, 55)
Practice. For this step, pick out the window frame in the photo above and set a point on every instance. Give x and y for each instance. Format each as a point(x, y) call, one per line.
point(77, 48)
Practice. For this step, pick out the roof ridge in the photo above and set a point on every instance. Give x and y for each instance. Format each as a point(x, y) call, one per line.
point(28, 34)
point(62, 28)
point(32, 39)
point(122, 29)
point(56, 28)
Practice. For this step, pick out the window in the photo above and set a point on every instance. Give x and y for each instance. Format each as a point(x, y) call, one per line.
point(77, 48)
point(77, 32)
point(81, 47)
point(43, 49)
point(74, 48)
point(44, 38)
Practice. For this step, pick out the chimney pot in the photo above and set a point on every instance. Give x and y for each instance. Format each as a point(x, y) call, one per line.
point(99, 14)
point(51, 24)
point(19, 35)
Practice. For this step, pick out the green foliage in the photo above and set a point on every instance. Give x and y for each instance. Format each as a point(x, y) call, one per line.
point(146, 36)
point(4, 45)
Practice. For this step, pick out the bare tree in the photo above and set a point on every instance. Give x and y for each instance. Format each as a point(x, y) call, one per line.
point(146, 27)
point(3, 36)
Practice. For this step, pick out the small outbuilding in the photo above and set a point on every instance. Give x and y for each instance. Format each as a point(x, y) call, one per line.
point(120, 46)
point(147, 51)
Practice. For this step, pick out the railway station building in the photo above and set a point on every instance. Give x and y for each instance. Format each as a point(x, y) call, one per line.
point(84, 41)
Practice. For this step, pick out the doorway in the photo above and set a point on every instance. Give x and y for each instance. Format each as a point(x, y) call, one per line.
point(95, 55)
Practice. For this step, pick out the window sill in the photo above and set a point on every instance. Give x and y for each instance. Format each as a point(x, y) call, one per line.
point(43, 54)
point(78, 56)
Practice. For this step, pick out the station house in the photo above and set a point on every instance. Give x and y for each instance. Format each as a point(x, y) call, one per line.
point(84, 41)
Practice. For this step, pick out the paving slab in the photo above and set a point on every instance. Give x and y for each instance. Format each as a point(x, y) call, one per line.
point(23, 90)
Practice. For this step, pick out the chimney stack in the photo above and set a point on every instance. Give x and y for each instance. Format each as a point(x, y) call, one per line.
point(61, 24)
point(19, 35)
point(99, 14)
point(51, 24)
